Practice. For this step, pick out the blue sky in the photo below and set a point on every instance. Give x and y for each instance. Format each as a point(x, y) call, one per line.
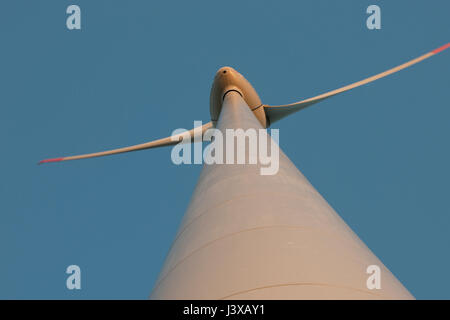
point(139, 69)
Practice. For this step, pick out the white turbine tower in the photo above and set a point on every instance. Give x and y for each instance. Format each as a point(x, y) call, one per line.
point(252, 236)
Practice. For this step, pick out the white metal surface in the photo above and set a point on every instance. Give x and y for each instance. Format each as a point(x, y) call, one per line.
point(248, 236)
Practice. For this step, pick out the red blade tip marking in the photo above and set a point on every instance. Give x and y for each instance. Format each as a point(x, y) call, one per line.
point(51, 160)
point(445, 46)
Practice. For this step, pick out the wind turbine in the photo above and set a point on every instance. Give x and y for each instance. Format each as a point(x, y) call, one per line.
point(248, 236)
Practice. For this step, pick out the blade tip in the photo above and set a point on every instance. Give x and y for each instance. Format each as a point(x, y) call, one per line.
point(442, 48)
point(50, 160)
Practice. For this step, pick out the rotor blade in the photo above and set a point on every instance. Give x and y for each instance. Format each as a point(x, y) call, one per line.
point(193, 133)
point(275, 113)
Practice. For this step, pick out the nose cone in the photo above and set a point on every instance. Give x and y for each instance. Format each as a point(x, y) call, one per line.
point(226, 71)
point(228, 79)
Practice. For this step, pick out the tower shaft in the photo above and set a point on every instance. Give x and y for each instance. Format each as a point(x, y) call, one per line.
point(252, 236)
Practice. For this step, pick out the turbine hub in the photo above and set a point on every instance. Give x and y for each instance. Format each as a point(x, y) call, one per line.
point(228, 79)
